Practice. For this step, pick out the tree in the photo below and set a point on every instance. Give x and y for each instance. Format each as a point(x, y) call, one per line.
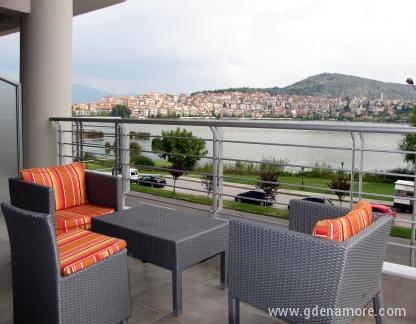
point(270, 168)
point(208, 182)
point(182, 149)
point(120, 111)
point(409, 141)
point(340, 181)
point(347, 106)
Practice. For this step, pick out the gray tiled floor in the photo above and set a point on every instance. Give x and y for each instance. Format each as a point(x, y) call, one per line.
point(204, 301)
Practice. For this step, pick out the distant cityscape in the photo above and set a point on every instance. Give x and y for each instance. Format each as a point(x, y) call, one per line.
point(251, 105)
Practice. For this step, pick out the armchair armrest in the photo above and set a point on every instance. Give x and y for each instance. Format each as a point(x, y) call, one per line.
point(103, 189)
point(303, 214)
point(31, 196)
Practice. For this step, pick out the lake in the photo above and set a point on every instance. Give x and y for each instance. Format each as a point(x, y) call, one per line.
point(294, 155)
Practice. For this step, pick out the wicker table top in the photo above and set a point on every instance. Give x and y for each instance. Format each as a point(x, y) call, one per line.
point(161, 222)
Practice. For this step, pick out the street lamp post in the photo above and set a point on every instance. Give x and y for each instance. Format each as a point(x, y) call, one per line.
point(302, 169)
point(410, 81)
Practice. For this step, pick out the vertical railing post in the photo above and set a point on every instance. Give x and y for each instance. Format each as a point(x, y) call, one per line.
point(220, 170)
point(124, 161)
point(215, 137)
point(352, 170)
point(412, 261)
point(60, 142)
point(360, 171)
point(81, 140)
point(117, 145)
point(77, 148)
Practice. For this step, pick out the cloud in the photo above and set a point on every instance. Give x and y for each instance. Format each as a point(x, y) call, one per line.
point(183, 46)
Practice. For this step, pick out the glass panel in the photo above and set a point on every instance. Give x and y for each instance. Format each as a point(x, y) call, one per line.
point(8, 136)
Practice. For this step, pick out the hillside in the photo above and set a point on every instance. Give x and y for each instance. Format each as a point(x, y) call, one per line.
point(339, 86)
point(81, 93)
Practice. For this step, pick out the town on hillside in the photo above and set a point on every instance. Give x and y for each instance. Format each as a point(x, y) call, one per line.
point(251, 105)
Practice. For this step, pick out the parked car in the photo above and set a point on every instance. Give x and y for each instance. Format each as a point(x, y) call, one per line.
point(134, 175)
point(377, 208)
point(152, 181)
point(256, 197)
point(319, 200)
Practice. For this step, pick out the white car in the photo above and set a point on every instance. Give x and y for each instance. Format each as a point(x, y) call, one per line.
point(134, 175)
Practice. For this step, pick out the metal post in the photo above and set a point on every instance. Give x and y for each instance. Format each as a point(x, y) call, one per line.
point(60, 142)
point(413, 227)
point(215, 137)
point(81, 140)
point(360, 171)
point(116, 166)
point(352, 170)
point(125, 162)
point(220, 170)
point(302, 169)
point(77, 152)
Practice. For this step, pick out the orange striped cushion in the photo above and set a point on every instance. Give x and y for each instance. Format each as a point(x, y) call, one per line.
point(80, 249)
point(344, 227)
point(78, 217)
point(68, 181)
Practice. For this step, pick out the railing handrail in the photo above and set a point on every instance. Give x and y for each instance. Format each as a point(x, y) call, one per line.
point(9, 81)
point(294, 125)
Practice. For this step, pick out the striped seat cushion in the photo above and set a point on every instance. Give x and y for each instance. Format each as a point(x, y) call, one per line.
point(78, 217)
point(68, 182)
point(80, 249)
point(342, 228)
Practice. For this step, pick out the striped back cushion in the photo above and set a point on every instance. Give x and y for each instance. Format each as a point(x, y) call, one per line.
point(342, 228)
point(68, 181)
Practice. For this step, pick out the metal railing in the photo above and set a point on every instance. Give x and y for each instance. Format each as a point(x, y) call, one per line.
point(112, 152)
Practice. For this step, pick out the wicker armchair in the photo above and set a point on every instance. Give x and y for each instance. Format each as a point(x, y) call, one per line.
point(101, 189)
point(273, 267)
point(97, 294)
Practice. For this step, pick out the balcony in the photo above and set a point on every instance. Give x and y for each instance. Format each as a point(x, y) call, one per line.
point(204, 302)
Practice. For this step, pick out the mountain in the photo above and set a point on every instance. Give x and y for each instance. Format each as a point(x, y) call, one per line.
point(336, 85)
point(81, 93)
point(341, 86)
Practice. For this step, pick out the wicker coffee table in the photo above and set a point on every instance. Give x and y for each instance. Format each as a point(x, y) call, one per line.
point(169, 239)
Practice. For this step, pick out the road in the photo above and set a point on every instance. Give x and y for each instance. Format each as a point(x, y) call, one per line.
point(230, 190)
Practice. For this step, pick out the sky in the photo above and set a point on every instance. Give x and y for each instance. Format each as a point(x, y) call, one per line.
point(183, 46)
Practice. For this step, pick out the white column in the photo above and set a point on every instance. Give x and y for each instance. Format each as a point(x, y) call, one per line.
point(46, 77)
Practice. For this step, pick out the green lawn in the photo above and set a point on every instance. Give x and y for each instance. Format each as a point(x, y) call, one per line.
point(295, 183)
point(292, 182)
point(204, 200)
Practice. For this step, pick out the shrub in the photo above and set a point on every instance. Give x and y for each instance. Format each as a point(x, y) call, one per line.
point(138, 159)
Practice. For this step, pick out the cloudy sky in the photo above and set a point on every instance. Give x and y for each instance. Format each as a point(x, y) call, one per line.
point(184, 45)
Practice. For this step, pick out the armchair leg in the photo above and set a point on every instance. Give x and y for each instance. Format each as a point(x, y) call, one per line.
point(224, 267)
point(233, 310)
point(177, 291)
point(378, 303)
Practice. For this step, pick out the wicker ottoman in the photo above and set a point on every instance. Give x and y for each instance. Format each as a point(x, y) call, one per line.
point(169, 239)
